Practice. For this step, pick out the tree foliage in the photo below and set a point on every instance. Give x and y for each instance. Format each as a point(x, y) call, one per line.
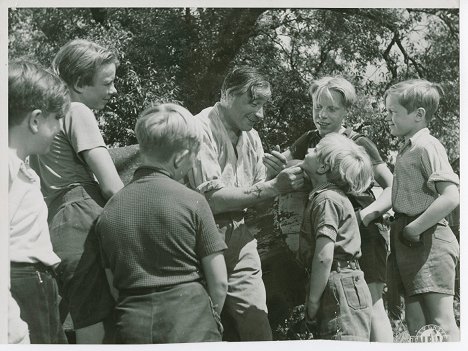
point(183, 54)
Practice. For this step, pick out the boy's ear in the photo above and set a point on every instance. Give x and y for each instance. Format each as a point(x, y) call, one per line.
point(420, 114)
point(34, 120)
point(323, 168)
point(78, 86)
point(180, 157)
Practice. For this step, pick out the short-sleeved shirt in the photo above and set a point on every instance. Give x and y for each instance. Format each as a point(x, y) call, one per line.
point(63, 167)
point(421, 162)
point(328, 206)
point(154, 232)
point(311, 138)
point(29, 231)
point(217, 165)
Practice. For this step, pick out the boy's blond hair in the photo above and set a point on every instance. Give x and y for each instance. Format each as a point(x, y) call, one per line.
point(337, 84)
point(32, 87)
point(78, 61)
point(350, 166)
point(415, 93)
point(164, 129)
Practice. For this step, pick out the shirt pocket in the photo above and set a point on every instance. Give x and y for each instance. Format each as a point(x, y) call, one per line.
point(356, 292)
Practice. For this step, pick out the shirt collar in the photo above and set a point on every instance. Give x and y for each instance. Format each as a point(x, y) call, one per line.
point(321, 188)
point(419, 134)
point(17, 165)
point(223, 122)
point(145, 170)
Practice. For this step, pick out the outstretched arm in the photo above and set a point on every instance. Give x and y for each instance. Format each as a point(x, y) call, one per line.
point(236, 199)
point(383, 203)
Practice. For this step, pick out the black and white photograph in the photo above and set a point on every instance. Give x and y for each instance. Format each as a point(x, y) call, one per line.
point(281, 174)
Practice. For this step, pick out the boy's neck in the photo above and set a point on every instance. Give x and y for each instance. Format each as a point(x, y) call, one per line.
point(17, 142)
point(318, 180)
point(410, 134)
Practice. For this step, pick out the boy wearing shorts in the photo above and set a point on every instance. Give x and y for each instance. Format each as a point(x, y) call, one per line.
point(338, 302)
point(424, 192)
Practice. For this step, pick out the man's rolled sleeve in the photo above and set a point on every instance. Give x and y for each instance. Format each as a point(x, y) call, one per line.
point(206, 174)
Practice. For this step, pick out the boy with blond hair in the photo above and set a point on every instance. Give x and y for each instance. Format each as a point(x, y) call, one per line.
point(338, 302)
point(424, 192)
point(37, 100)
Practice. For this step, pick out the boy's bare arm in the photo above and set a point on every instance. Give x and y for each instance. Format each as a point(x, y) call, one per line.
point(383, 203)
point(320, 272)
point(101, 164)
point(214, 269)
point(440, 208)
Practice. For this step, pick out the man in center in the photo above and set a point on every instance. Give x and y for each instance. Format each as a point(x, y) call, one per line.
point(230, 173)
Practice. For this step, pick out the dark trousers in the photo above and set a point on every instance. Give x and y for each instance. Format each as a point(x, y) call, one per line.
point(35, 290)
point(178, 314)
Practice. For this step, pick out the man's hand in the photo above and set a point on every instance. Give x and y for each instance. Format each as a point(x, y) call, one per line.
point(289, 180)
point(274, 162)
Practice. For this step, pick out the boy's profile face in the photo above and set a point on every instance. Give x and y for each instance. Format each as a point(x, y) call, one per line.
point(400, 122)
point(244, 112)
point(329, 112)
point(311, 164)
point(97, 95)
point(47, 129)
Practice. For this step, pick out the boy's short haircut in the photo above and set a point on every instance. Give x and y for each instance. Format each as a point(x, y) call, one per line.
point(350, 165)
point(31, 87)
point(78, 61)
point(338, 84)
point(246, 79)
point(165, 129)
point(415, 93)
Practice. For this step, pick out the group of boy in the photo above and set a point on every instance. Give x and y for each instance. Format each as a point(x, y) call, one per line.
point(228, 170)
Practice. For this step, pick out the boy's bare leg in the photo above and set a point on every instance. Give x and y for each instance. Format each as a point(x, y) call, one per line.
point(381, 330)
point(439, 311)
point(414, 314)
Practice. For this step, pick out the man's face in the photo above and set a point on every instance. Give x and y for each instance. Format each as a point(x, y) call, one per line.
point(97, 95)
point(244, 113)
point(329, 112)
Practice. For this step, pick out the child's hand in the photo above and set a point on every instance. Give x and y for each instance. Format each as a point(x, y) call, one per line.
point(409, 237)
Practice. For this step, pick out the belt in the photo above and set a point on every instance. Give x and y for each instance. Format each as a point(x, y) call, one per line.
point(39, 266)
point(337, 265)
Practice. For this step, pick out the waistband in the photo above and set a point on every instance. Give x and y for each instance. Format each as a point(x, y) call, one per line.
point(338, 265)
point(39, 266)
point(144, 290)
point(398, 215)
